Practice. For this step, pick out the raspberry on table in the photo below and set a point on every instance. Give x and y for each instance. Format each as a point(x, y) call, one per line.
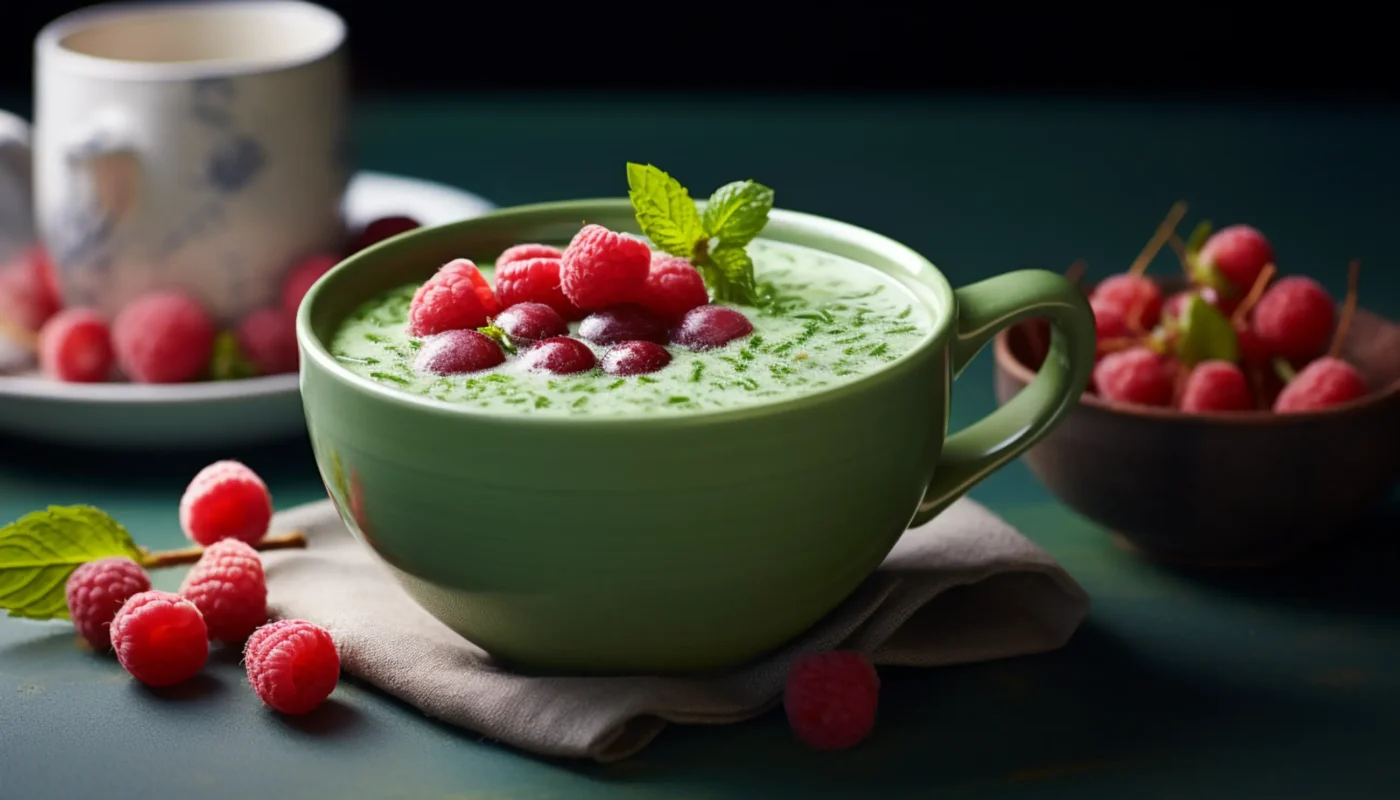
point(384, 228)
point(1324, 383)
point(457, 297)
point(1294, 318)
point(601, 268)
point(622, 323)
point(292, 665)
point(1136, 375)
point(1239, 253)
point(533, 280)
point(635, 358)
point(531, 322)
point(673, 287)
point(75, 345)
point(96, 590)
point(226, 500)
point(708, 327)
point(458, 352)
point(560, 355)
point(229, 588)
point(527, 252)
point(831, 699)
point(1216, 386)
point(163, 337)
point(268, 338)
point(298, 282)
point(1130, 296)
point(160, 638)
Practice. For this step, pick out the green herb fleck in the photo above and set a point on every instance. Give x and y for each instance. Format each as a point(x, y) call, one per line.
point(500, 336)
point(374, 337)
point(541, 401)
point(645, 379)
point(677, 400)
point(697, 372)
point(385, 376)
point(617, 383)
point(579, 403)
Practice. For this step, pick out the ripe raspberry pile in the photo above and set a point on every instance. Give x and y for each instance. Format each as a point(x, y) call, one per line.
point(165, 336)
point(162, 638)
point(1236, 340)
point(628, 301)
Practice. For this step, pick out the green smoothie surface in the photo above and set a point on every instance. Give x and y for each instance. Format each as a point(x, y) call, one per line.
point(834, 321)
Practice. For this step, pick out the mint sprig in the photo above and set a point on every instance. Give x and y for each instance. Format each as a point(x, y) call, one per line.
point(714, 241)
point(40, 550)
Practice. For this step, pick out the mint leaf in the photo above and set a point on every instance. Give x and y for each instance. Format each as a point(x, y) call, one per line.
point(737, 211)
point(228, 362)
point(502, 338)
point(1205, 334)
point(665, 210)
point(728, 271)
point(40, 550)
point(1198, 237)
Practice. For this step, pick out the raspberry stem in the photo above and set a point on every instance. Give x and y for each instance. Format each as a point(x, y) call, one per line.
point(1075, 272)
point(189, 555)
point(1255, 292)
point(1154, 245)
point(1339, 337)
point(1178, 246)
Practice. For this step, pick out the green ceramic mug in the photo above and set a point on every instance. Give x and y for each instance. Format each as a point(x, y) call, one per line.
point(670, 543)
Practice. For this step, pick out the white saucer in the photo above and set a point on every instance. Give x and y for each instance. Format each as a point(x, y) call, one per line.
point(216, 413)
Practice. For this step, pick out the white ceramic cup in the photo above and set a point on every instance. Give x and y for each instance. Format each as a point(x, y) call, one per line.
point(193, 145)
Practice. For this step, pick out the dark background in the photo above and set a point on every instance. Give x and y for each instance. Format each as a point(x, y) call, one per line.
point(1330, 52)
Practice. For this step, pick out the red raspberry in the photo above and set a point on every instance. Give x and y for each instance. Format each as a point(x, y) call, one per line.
point(456, 298)
point(1239, 253)
point(708, 327)
point(560, 355)
point(1216, 386)
point(292, 665)
point(163, 337)
point(673, 287)
point(268, 337)
point(28, 292)
point(1177, 302)
point(526, 252)
point(298, 282)
point(831, 699)
point(228, 587)
point(226, 500)
point(383, 228)
point(76, 346)
point(533, 280)
point(1324, 383)
point(635, 358)
point(601, 268)
point(531, 322)
point(458, 352)
point(624, 323)
point(160, 638)
point(96, 590)
point(1130, 295)
point(1252, 351)
point(1294, 318)
point(1108, 324)
point(1136, 375)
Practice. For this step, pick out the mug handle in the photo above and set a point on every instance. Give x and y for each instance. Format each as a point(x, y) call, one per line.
point(984, 310)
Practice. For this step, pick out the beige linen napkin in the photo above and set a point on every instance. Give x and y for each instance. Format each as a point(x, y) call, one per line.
point(965, 587)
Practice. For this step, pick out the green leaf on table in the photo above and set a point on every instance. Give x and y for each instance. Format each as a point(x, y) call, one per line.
point(665, 210)
point(40, 550)
point(729, 273)
point(228, 363)
point(1205, 334)
point(737, 212)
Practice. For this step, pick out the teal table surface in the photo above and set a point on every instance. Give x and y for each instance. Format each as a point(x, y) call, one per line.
point(1272, 686)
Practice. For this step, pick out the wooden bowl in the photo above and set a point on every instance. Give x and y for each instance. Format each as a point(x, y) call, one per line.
point(1243, 489)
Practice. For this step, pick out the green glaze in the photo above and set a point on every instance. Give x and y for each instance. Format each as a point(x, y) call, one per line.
point(672, 542)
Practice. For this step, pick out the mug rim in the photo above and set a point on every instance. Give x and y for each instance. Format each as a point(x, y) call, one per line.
point(48, 44)
point(316, 355)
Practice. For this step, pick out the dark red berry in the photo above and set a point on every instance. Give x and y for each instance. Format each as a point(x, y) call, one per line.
point(1216, 386)
point(1239, 253)
point(531, 322)
point(710, 326)
point(383, 228)
point(1252, 351)
point(1294, 318)
point(456, 352)
point(1137, 375)
point(635, 358)
point(1324, 383)
point(1132, 296)
point(560, 355)
point(624, 323)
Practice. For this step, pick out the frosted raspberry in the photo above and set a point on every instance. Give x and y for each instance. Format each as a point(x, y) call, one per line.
point(533, 280)
point(1294, 318)
point(96, 590)
point(1130, 295)
point(292, 665)
point(226, 500)
point(831, 699)
point(530, 322)
point(635, 358)
point(1216, 386)
point(1136, 375)
point(298, 282)
point(160, 638)
point(527, 252)
point(560, 355)
point(163, 337)
point(601, 268)
point(28, 291)
point(1239, 253)
point(75, 345)
point(228, 587)
point(384, 228)
point(458, 352)
point(624, 323)
point(456, 298)
point(268, 337)
point(1324, 383)
point(708, 327)
point(673, 287)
